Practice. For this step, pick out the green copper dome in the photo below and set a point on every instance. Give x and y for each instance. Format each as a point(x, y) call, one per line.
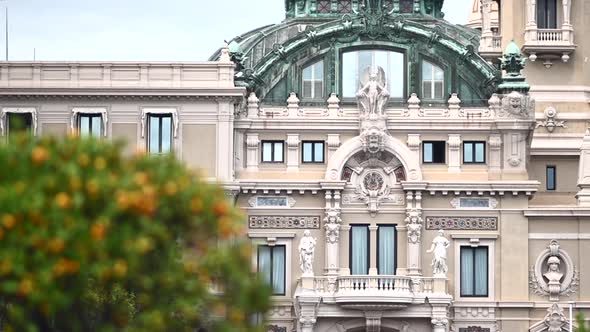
point(512, 49)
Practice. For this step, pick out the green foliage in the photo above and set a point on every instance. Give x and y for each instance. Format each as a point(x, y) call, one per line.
point(582, 325)
point(91, 241)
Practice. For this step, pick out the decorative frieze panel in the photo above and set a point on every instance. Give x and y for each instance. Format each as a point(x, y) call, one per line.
point(462, 223)
point(275, 328)
point(474, 329)
point(284, 221)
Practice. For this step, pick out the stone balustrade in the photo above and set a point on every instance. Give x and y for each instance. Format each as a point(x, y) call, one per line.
point(379, 288)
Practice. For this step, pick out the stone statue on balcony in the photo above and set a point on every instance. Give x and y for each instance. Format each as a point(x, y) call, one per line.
point(374, 95)
point(439, 247)
point(306, 252)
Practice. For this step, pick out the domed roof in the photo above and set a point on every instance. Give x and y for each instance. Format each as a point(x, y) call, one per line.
point(474, 17)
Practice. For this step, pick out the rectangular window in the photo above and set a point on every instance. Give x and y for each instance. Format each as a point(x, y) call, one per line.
point(551, 178)
point(359, 249)
point(474, 271)
point(547, 14)
point(387, 249)
point(433, 81)
point(159, 133)
point(433, 152)
point(90, 124)
point(313, 152)
point(273, 151)
point(271, 267)
point(19, 122)
point(474, 152)
point(313, 81)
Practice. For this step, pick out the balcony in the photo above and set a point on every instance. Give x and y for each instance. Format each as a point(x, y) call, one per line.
point(549, 44)
point(368, 289)
point(490, 47)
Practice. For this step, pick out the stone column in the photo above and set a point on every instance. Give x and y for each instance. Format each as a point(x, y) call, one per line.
point(454, 153)
point(530, 33)
point(373, 250)
point(292, 152)
point(567, 28)
point(252, 142)
point(225, 139)
point(345, 250)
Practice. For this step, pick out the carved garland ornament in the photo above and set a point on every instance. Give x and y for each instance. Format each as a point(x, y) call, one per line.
point(284, 222)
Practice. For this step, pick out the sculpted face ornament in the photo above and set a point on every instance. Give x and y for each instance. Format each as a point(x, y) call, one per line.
point(373, 140)
point(517, 105)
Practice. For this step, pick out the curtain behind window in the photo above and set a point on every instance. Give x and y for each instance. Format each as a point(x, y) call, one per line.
point(278, 270)
point(481, 271)
point(387, 250)
point(466, 271)
point(360, 250)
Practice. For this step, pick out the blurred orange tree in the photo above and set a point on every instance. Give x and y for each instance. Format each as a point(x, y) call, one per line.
point(92, 241)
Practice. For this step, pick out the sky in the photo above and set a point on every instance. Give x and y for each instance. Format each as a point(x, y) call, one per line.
point(140, 30)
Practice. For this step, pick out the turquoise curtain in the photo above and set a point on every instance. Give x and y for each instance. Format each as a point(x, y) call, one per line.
point(360, 250)
point(278, 270)
point(481, 271)
point(466, 272)
point(387, 250)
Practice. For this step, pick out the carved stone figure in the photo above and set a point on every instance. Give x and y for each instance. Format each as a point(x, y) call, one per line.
point(373, 96)
point(332, 226)
point(439, 247)
point(414, 224)
point(306, 252)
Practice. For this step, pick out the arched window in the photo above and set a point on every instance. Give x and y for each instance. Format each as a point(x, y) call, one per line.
point(433, 81)
point(313, 81)
point(357, 66)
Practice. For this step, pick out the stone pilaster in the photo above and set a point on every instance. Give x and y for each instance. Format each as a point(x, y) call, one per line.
point(345, 254)
point(454, 153)
point(495, 154)
point(332, 222)
point(373, 242)
point(333, 143)
point(252, 143)
point(414, 144)
point(292, 152)
point(414, 225)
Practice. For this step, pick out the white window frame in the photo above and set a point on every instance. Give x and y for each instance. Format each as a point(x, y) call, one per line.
point(274, 239)
point(373, 51)
point(313, 81)
point(77, 111)
point(475, 240)
point(19, 110)
point(433, 81)
point(145, 112)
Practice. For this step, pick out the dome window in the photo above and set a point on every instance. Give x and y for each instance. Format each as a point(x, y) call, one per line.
point(433, 81)
point(313, 81)
point(357, 67)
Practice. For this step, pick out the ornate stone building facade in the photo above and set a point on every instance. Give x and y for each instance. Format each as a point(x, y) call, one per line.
point(396, 175)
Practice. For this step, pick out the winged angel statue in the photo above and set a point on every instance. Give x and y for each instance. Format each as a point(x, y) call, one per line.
point(373, 94)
